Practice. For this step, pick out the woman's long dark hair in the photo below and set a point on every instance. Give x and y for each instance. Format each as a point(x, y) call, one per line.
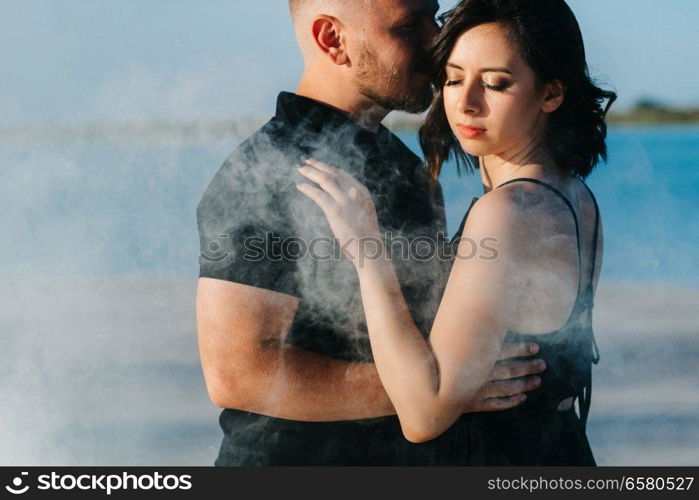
point(549, 39)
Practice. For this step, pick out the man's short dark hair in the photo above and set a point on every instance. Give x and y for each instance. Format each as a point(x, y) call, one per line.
point(294, 6)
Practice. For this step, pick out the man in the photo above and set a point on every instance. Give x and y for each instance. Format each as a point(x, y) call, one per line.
point(280, 323)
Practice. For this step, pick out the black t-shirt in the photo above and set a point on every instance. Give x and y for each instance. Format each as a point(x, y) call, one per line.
point(256, 229)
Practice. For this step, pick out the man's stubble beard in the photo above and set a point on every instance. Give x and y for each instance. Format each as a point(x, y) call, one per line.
point(388, 88)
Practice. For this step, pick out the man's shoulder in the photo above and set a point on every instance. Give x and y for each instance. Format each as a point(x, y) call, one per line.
point(254, 182)
point(260, 148)
point(259, 162)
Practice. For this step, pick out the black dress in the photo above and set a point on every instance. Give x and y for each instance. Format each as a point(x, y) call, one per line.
point(537, 432)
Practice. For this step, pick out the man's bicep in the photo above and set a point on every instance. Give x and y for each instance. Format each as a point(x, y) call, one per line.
point(243, 223)
point(234, 314)
point(237, 324)
point(248, 253)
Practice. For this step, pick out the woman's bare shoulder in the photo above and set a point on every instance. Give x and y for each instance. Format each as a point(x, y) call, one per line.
point(502, 209)
point(523, 217)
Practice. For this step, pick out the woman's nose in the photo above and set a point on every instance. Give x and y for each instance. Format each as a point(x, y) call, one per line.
point(470, 100)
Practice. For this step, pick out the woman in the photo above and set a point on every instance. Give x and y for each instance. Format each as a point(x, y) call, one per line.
point(512, 89)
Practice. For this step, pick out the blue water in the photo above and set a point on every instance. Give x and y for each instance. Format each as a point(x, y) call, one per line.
point(130, 208)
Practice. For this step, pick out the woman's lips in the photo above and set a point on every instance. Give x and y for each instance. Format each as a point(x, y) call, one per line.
point(470, 132)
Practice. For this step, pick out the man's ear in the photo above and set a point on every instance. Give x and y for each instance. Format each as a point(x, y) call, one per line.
point(554, 94)
point(327, 31)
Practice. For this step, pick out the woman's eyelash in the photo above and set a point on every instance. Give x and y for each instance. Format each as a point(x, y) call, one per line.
point(497, 88)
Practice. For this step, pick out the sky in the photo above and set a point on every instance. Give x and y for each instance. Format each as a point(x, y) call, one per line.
point(82, 61)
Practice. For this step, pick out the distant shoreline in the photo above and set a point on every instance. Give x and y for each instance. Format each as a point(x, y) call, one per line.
point(654, 116)
point(642, 115)
point(198, 131)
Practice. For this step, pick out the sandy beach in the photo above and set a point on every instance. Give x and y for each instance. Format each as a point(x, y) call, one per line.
point(105, 371)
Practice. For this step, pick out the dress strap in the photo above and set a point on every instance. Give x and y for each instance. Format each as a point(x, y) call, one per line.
point(460, 232)
point(595, 238)
point(585, 396)
point(572, 211)
point(589, 289)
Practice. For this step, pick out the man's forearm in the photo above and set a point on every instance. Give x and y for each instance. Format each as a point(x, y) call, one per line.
point(296, 384)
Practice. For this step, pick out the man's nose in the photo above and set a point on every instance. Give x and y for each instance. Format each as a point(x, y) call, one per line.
point(433, 27)
point(429, 33)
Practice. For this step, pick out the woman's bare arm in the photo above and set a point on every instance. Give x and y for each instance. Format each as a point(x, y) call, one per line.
point(429, 382)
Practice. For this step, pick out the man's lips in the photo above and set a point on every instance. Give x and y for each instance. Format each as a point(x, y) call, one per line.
point(470, 132)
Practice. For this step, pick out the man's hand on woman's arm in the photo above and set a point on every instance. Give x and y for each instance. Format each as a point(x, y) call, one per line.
point(510, 379)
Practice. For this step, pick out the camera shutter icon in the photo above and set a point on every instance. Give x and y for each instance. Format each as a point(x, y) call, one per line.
point(16, 487)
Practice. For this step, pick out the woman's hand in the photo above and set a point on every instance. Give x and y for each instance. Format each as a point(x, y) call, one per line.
point(348, 206)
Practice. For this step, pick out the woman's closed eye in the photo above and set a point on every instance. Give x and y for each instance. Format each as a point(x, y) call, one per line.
point(497, 87)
